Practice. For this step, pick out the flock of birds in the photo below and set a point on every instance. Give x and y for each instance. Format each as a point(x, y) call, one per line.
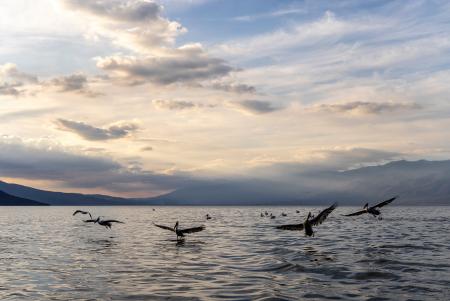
point(306, 225)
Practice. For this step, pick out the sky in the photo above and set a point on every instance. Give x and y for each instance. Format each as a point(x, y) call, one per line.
point(141, 97)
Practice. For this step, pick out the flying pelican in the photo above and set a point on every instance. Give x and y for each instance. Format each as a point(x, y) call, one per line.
point(372, 210)
point(82, 212)
point(310, 221)
point(181, 232)
point(105, 223)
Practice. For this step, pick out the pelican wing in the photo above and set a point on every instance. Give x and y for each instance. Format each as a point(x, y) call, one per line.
point(192, 230)
point(164, 227)
point(79, 211)
point(385, 202)
point(291, 227)
point(113, 221)
point(323, 215)
point(356, 213)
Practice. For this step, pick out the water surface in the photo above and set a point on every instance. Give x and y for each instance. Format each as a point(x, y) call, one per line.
point(47, 254)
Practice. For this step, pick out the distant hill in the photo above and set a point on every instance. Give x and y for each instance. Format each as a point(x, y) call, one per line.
point(10, 200)
point(66, 199)
point(417, 182)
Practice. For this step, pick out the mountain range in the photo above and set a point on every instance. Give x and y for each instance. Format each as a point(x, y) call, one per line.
point(416, 182)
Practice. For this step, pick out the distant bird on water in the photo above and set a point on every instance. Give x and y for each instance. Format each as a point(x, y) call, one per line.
point(105, 223)
point(310, 222)
point(208, 216)
point(82, 212)
point(262, 215)
point(297, 211)
point(181, 232)
point(272, 216)
point(372, 210)
point(283, 214)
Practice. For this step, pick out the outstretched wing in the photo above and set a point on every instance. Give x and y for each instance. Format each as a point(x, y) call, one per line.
point(113, 221)
point(291, 227)
point(192, 230)
point(164, 227)
point(385, 202)
point(323, 215)
point(356, 213)
point(78, 211)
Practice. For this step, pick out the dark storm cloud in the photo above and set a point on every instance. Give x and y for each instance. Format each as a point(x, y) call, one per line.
point(21, 160)
point(93, 133)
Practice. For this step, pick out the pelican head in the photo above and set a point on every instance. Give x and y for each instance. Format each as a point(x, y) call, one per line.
point(176, 225)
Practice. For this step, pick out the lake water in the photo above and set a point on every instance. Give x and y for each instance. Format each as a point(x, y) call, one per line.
point(48, 254)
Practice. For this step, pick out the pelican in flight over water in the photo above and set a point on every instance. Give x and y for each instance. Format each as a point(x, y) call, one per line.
point(82, 212)
point(372, 210)
point(181, 232)
point(310, 222)
point(105, 223)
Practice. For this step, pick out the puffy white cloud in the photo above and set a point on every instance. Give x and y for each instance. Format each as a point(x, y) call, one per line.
point(134, 24)
point(188, 63)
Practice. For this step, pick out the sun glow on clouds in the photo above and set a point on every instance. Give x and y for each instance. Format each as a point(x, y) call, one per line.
point(109, 87)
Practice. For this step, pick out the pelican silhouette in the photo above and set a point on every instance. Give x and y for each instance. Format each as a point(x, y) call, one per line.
point(82, 212)
point(105, 223)
point(181, 232)
point(283, 214)
point(297, 211)
point(372, 210)
point(208, 216)
point(272, 216)
point(310, 221)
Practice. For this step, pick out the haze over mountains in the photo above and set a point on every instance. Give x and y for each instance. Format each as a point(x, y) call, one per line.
point(417, 182)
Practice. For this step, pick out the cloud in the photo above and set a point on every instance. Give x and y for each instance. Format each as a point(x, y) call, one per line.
point(133, 24)
point(325, 160)
point(179, 104)
point(12, 81)
point(77, 82)
point(364, 108)
point(234, 88)
point(188, 63)
point(255, 106)
point(92, 133)
point(39, 160)
point(273, 14)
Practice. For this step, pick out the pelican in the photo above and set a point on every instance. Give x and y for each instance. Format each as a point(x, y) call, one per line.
point(105, 223)
point(372, 210)
point(297, 211)
point(310, 221)
point(283, 214)
point(82, 212)
point(262, 215)
point(208, 216)
point(272, 216)
point(266, 213)
point(181, 232)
